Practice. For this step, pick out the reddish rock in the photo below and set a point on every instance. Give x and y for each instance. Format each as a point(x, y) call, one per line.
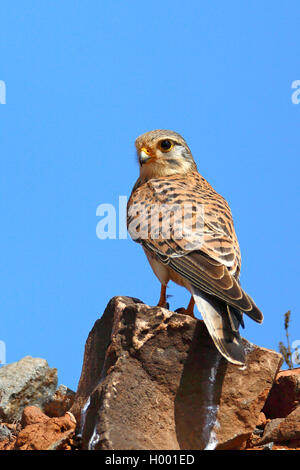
point(47, 433)
point(8, 444)
point(262, 421)
point(285, 394)
point(152, 379)
point(33, 415)
point(283, 429)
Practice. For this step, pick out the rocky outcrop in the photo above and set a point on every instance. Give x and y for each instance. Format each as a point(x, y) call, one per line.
point(29, 381)
point(152, 379)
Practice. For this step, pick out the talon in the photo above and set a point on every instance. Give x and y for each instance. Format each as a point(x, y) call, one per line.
point(165, 305)
point(185, 311)
point(189, 310)
point(180, 310)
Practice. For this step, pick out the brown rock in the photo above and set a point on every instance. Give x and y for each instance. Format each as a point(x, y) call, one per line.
point(60, 402)
point(33, 415)
point(8, 444)
point(294, 444)
point(152, 379)
point(94, 356)
point(262, 421)
point(47, 434)
point(285, 394)
point(269, 431)
point(283, 429)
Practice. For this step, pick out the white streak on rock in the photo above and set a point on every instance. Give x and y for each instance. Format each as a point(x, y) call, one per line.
point(93, 440)
point(211, 408)
point(83, 415)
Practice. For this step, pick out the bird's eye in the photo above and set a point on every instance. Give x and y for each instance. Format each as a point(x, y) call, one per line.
point(165, 145)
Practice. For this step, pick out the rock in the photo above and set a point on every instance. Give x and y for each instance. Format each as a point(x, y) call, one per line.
point(152, 379)
point(60, 402)
point(269, 430)
point(261, 420)
point(33, 415)
point(283, 429)
point(47, 433)
point(268, 446)
point(8, 434)
point(285, 394)
point(294, 444)
point(5, 433)
point(29, 381)
point(94, 357)
point(8, 444)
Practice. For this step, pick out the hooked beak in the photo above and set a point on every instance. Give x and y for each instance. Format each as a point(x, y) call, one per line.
point(144, 156)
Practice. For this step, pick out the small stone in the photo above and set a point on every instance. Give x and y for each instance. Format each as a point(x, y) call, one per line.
point(283, 429)
point(258, 432)
point(268, 446)
point(5, 433)
point(261, 420)
point(60, 402)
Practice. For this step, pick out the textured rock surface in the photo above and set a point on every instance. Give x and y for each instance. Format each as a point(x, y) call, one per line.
point(60, 402)
point(283, 429)
point(43, 433)
point(285, 394)
point(5, 433)
point(152, 379)
point(29, 381)
point(33, 415)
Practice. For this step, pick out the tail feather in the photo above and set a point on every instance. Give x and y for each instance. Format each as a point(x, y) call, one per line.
point(235, 318)
point(223, 324)
point(254, 313)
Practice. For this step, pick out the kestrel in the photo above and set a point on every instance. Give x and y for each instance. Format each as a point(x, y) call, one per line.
point(202, 255)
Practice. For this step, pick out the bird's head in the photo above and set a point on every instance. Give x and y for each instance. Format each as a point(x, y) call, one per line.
point(163, 153)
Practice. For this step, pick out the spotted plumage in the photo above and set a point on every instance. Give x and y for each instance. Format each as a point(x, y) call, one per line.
point(186, 230)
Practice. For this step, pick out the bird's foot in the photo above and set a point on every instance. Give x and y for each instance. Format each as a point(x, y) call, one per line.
point(185, 311)
point(165, 305)
point(189, 310)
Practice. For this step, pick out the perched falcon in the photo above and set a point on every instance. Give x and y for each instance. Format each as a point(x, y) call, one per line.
point(186, 230)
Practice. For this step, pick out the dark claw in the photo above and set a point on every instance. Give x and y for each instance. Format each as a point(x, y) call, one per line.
point(180, 310)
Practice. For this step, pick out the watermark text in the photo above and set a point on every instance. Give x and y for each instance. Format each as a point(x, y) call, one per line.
point(2, 353)
point(2, 92)
point(296, 94)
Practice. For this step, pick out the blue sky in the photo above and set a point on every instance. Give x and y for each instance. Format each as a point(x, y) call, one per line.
point(83, 80)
